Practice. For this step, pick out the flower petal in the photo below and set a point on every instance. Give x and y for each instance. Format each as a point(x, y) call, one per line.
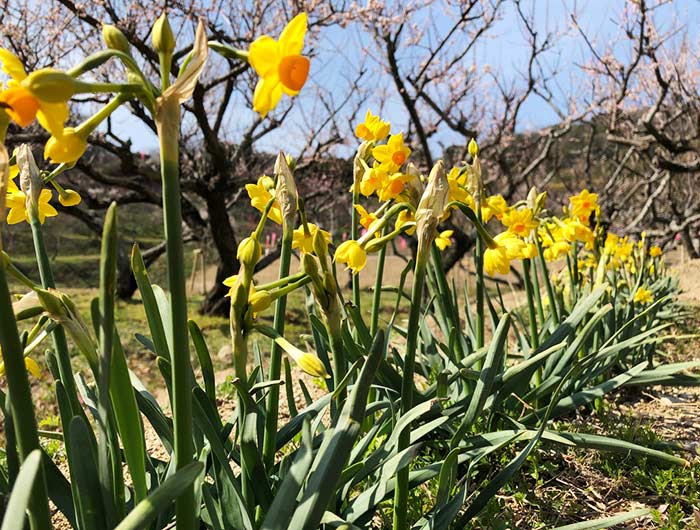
point(263, 55)
point(11, 65)
point(52, 116)
point(291, 40)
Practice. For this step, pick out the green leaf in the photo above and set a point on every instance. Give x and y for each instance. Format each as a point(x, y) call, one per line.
point(606, 522)
point(128, 418)
point(200, 346)
point(15, 511)
point(161, 498)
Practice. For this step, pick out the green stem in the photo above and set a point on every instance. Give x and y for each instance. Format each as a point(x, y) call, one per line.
point(534, 337)
point(354, 234)
point(58, 336)
point(479, 263)
point(20, 403)
point(270, 439)
point(377, 295)
point(168, 134)
point(548, 285)
point(401, 493)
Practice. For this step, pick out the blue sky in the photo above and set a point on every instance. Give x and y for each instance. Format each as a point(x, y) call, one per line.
point(503, 51)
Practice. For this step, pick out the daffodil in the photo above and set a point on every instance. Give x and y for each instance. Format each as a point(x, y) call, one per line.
point(575, 230)
point(304, 241)
point(494, 206)
point(67, 147)
point(260, 194)
point(280, 65)
point(16, 201)
point(519, 222)
point(643, 296)
point(366, 218)
point(394, 152)
point(373, 129)
point(373, 179)
point(29, 363)
point(24, 106)
point(508, 248)
point(352, 255)
point(655, 251)
point(69, 198)
point(406, 217)
point(584, 204)
point(444, 239)
point(392, 187)
point(458, 191)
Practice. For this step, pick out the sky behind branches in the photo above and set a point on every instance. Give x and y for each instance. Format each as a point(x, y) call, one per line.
point(338, 52)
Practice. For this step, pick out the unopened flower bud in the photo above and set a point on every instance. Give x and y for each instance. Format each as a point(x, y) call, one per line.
point(260, 301)
point(51, 85)
point(312, 365)
point(308, 265)
point(374, 245)
point(432, 204)
point(320, 244)
point(286, 193)
point(249, 251)
point(473, 148)
point(162, 37)
point(30, 180)
point(114, 39)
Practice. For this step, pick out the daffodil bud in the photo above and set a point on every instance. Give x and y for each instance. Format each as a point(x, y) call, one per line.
point(540, 201)
point(260, 301)
point(473, 148)
point(308, 265)
point(52, 303)
point(360, 164)
point(30, 180)
point(312, 365)
point(320, 245)
point(291, 162)
point(375, 245)
point(51, 86)
point(249, 251)
point(27, 307)
point(432, 205)
point(162, 36)
point(286, 193)
point(114, 39)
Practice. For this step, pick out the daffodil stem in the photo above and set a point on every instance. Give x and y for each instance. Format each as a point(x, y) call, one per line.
point(270, 439)
point(58, 336)
point(168, 133)
point(20, 403)
point(401, 492)
point(530, 294)
point(354, 234)
point(548, 284)
point(479, 264)
point(377, 295)
point(338, 350)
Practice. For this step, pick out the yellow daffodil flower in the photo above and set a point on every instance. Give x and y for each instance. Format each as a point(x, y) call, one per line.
point(25, 106)
point(373, 129)
point(352, 255)
point(17, 203)
point(405, 217)
point(495, 206)
point(655, 251)
point(373, 179)
point(366, 218)
point(280, 65)
point(393, 186)
point(643, 296)
point(519, 222)
point(508, 248)
point(260, 195)
point(305, 241)
point(29, 363)
point(394, 152)
point(584, 204)
point(444, 239)
point(69, 198)
point(66, 148)
point(458, 191)
point(575, 230)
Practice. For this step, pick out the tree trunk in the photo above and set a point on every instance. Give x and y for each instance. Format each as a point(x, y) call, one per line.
point(689, 244)
point(126, 283)
point(216, 302)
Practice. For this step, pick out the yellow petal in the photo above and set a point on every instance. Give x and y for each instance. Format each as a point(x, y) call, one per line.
point(16, 215)
point(292, 37)
point(11, 65)
point(263, 55)
point(52, 116)
point(268, 93)
point(32, 367)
